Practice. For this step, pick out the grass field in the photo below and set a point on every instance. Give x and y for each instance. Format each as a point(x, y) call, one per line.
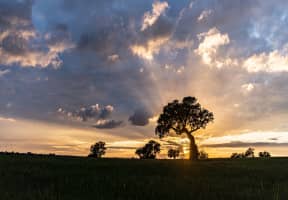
point(43, 177)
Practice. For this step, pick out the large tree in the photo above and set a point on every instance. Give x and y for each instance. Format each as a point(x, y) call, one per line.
point(184, 117)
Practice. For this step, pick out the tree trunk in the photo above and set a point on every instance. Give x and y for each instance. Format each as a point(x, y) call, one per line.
point(193, 151)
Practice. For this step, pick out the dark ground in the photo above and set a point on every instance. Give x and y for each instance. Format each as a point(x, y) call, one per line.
point(42, 177)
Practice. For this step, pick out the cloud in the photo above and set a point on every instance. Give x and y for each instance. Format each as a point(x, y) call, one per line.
point(21, 44)
point(211, 41)
point(274, 61)
point(108, 124)
point(3, 72)
point(140, 117)
point(149, 18)
point(204, 15)
point(247, 88)
point(4, 119)
point(113, 58)
point(150, 42)
point(106, 112)
point(94, 112)
point(148, 50)
point(203, 58)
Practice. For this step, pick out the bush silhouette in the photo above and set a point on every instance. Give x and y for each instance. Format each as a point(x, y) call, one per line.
point(173, 153)
point(149, 151)
point(203, 155)
point(264, 154)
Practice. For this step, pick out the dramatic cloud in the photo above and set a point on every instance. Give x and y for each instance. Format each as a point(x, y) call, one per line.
point(21, 44)
point(210, 43)
point(274, 61)
point(143, 54)
point(93, 112)
point(158, 8)
point(148, 50)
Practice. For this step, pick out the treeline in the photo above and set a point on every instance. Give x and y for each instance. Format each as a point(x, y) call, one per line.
point(149, 151)
point(249, 153)
point(27, 153)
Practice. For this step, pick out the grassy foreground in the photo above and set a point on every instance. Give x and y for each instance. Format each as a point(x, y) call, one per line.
point(42, 177)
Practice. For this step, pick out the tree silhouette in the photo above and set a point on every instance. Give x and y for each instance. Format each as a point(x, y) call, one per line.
point(149, 151)
point(184, 117)
point(264, 154)
point(97, 150)
point(203, 155)
point(173, 153)
point(249, 153)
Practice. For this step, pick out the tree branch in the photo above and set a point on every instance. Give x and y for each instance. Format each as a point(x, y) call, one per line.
point(193, 130)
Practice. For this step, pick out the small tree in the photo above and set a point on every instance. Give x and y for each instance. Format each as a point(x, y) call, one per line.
point(149, 151)
point(249, 153)
point(264, 154)
point(184, 117)
point(173, 153)
point(203, 155)
point(97, 150)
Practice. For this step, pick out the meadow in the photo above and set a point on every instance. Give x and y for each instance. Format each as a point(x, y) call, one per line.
point(31, 177)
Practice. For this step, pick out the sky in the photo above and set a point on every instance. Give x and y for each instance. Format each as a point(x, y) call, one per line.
point(75, 72)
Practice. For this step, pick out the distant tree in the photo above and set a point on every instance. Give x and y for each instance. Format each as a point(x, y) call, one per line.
point(203, 155)
point(97, 150)
point(264, 154)
point(184, 117)
point(149, 151)
point(249, 153)
point(173, 153)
